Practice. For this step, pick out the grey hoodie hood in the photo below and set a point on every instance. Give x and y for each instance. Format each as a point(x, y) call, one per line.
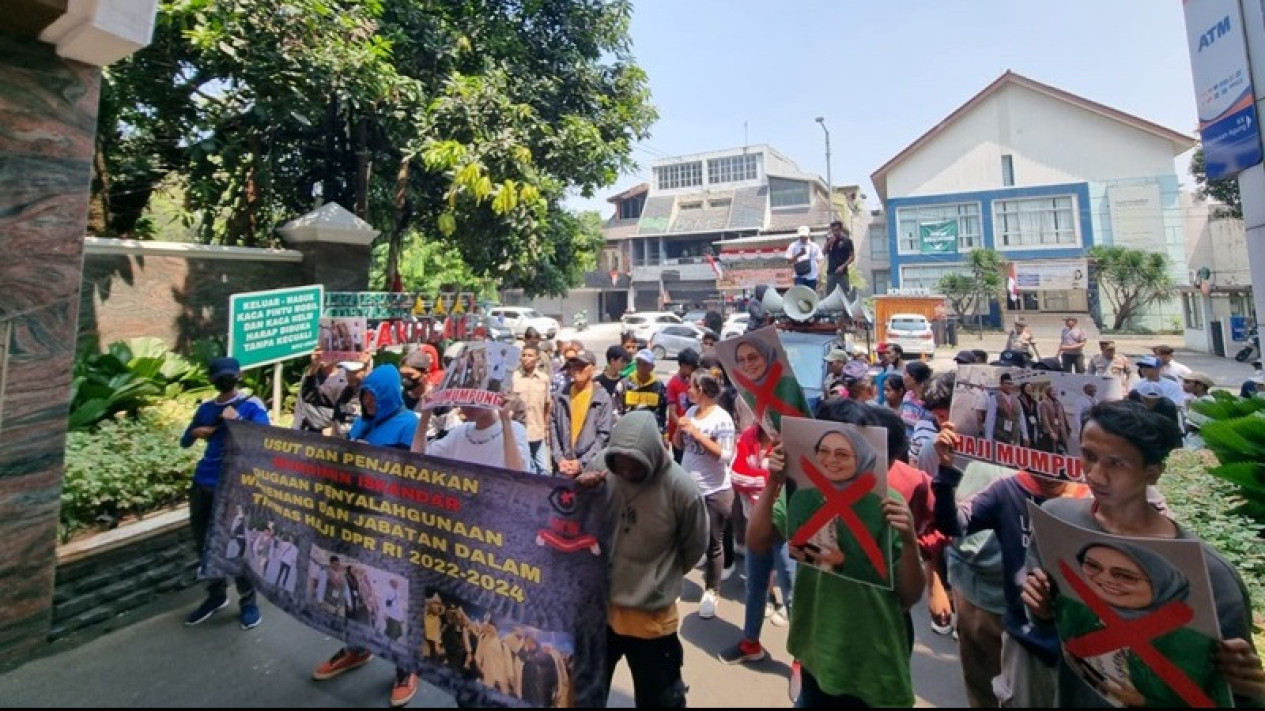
point(660, 522)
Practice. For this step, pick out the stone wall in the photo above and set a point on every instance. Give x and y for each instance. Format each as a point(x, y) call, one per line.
point(177, 292)
point(101, 578)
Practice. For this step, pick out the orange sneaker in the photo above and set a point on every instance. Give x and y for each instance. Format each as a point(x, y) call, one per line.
point(344, 661)
point(404, 690)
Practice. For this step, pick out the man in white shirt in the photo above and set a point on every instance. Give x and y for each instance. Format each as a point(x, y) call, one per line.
point(1170, 368)
point(1149, 371)
point(805, 256)
point(490, 437)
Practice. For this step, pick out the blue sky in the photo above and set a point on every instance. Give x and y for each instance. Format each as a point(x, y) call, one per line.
point(882, 72)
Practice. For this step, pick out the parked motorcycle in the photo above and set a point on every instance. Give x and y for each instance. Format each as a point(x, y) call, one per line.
point(1252, 351)
point(580, 321)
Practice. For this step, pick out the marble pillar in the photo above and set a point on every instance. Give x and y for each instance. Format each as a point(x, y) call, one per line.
point(48, 112)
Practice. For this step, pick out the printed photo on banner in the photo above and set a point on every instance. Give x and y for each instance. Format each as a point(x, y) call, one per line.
point(834, 516)
point(1026, 419)
point(527, 664)
point(344, 338)
point(479, 376)
point(380, 535)
point(1136, 617)
point(759, 368)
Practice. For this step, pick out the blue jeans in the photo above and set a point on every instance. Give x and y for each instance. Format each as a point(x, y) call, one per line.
point(759, 566)
point(805, 281)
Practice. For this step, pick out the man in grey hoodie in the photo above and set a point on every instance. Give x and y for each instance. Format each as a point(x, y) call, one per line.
point(660, 531)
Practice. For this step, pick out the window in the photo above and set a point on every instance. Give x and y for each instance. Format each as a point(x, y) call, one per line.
point(926, 276)
point(788, 193)
point(722, 202)
point(696, 205)
point(878, 244)
point(1192, 305)
point(882, 280)
point(732, 169)
point(1008, 171)
point(630, 209)
point(1035, 223)
point(909, 221)
point(679, 175)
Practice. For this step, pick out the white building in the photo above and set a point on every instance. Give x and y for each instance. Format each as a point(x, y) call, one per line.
point(1040, 175)
point(1217, 305)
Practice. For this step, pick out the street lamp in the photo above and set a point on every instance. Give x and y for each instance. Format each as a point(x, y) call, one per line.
point(830, 185)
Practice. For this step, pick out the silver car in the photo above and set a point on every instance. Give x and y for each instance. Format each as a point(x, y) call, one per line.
point(671, 339)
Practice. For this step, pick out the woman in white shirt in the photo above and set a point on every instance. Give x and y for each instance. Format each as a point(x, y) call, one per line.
point(706, 434)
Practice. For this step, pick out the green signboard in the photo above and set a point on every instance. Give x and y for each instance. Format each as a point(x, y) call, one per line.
point(369, 304)
point(938, 237)
point(272, 326)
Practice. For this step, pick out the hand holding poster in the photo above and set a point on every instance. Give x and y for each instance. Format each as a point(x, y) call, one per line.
point(479, 376)
point(344, 338)
point(1026, 419)
point(1135, 616)
point(758, 366)
point(835, 515)
point(491, 584)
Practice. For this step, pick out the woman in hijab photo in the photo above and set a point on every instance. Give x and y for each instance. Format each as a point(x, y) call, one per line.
point(843, 457)
point(1136, 581)
point(757, 364)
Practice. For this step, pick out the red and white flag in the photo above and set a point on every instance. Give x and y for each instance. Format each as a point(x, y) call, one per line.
point(1012, 284)
point(720, 272)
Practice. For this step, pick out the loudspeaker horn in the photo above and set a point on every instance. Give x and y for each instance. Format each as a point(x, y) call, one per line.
point(799, 303)
point(772, 301)
point(837, 301)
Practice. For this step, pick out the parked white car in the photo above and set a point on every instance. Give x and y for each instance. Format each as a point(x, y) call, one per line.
point(672, 338)
point(735, 325)
point(644, 324)
point(912, 332)
point(519, 318)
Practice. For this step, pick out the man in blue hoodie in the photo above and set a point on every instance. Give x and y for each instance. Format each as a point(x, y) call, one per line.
point(385, 422)
point(208, 424)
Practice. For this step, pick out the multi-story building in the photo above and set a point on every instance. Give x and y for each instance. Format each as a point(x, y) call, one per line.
point(1040, 175)
point(1217, 307)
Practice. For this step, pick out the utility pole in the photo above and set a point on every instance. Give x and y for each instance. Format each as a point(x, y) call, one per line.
point(830, 184)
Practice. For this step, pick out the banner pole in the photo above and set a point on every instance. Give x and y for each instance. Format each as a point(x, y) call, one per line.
point(276, 392)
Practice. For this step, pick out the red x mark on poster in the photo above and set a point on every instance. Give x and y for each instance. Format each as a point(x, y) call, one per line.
point(765, 395)
point(1136, 634)
point(840, 503)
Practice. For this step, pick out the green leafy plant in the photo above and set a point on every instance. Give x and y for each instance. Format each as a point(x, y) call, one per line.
point(126, 377)
point(1236, 436)
point(126, 466)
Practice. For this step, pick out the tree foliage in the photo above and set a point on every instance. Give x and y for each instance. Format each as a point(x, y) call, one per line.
point(1225, 191)
point(1131, 279)
point(974, 289)
point(463, 124)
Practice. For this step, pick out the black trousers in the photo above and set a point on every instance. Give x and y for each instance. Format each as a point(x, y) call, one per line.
point(201, 507)
point(655, 665)
point(812, 697)
point(1073, 362)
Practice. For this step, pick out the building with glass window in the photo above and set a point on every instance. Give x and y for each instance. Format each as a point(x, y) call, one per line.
point(662, 233)
point(1040, 175)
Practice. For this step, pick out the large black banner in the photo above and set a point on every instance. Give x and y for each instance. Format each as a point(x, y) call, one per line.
point(491, 584)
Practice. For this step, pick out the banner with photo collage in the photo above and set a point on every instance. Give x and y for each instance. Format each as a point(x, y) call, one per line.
point(491, 584)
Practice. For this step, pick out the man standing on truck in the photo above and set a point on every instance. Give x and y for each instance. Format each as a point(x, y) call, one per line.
point(804, 255)
point(840, 253)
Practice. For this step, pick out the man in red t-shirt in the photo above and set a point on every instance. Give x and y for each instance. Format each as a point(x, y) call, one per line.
point(678, 393)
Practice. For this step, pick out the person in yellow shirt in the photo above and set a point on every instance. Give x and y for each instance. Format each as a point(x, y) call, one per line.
point(583, 415)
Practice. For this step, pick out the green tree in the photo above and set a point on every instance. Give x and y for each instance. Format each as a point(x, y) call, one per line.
point(973, 290)
point(464, 122)
point(1225, 191)
point(1131, 280)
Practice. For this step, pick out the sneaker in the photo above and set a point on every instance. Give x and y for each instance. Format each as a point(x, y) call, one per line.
point(744, 651)
point(404, 689)
point(797, 682)
point(778, 618)
point(209, 607)
point(250, 617)
point(942, 623)
point(727, 573)
point(343, 661)
point(707, 606)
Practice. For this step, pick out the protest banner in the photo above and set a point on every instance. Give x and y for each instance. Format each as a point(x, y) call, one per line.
point(835, 515)
point(344, 338)
point(758, 366)
point(491, 584)
point(479, 376)
point(1136, 617)
point(1026, 419)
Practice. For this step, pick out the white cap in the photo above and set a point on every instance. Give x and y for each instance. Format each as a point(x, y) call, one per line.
point(804, 231)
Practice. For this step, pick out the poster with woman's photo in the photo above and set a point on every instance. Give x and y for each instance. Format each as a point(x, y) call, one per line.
point(479, 376)
point(1026, 419)
point(1136, 617)
point(759, 368)
point(344, 338)
point(834, 516)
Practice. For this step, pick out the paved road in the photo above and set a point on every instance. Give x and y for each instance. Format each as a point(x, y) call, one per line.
point(152, 660)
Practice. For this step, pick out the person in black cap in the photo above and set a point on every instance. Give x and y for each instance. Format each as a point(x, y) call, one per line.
point(1011, 359)
point(208, 424)
point(964, 358)
point(583, 415)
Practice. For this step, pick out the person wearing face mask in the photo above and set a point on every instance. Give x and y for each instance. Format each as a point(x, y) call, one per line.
point(208, 424)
